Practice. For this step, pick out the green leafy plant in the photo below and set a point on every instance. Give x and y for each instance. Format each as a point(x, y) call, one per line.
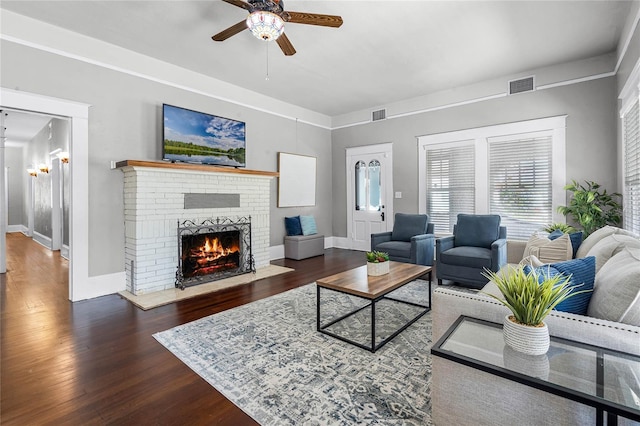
point(591, 208)
point(566, 229)
point(529, 300)
point(377, 257)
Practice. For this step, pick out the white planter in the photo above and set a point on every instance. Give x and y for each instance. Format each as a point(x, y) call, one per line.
point(526, 339)
point(530, 365)
point(376, 269)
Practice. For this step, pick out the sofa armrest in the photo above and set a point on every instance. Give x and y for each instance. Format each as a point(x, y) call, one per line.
point(450, 303)
point(444, 243)
point(515, 250)
point(381, 237)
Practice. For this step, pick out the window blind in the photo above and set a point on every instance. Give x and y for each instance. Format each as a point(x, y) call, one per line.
point(631, 214)
point(450, 185)
point(520, 184)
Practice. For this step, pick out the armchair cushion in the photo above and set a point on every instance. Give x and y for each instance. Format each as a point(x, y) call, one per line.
point(477, 230)
point(406, 226)
point(474, 257)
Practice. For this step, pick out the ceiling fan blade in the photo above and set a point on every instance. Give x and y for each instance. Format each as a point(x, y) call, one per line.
point(231, 31)
point(285, 45)
point(314, 19)
point(239, 3)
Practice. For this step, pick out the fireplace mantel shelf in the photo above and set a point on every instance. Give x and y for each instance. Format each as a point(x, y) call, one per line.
point(192, 167)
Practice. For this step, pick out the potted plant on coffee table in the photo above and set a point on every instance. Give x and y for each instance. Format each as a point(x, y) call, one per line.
point(530, 297)
point(377, 263)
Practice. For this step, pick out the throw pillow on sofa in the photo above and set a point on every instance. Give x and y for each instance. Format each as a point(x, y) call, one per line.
point(575, 237)
point(549, 251)
point(599, 234)
point(616, 294)
point(581, 272)
point(609, 246)
point(292, 225)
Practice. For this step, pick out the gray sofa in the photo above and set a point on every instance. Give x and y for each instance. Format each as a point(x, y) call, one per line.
point(462, 395)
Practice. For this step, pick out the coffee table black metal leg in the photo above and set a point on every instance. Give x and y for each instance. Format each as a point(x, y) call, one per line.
point(373, 326)
point(317, 308)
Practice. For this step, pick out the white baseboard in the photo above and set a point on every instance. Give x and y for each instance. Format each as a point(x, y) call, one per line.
point(276, 252)
point(64, 251)
point(17, 228)
point(42, 239)
point(340, 242)
point(101, 285)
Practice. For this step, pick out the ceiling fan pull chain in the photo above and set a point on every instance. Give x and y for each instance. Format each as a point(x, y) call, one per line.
point(267, 77)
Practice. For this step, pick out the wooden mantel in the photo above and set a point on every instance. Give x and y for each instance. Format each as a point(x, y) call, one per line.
point(192, 167)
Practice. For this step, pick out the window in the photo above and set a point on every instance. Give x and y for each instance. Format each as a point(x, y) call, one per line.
point(516, 170)
point(631, 198)
point(520, 185)
point(450, 184)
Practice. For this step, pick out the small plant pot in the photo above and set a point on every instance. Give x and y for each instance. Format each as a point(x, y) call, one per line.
point(376, 269)
point(524, 338)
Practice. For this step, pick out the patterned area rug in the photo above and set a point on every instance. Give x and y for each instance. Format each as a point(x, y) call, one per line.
point(269, 360)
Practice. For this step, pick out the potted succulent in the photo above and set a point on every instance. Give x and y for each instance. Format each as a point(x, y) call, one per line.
point(530, 299)
point(377, 263)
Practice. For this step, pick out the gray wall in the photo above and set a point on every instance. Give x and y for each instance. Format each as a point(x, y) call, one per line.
point(16, 178)
point(591, 137)
point(125, 122)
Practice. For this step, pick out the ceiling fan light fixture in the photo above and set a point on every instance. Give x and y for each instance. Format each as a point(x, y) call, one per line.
point(266, 26)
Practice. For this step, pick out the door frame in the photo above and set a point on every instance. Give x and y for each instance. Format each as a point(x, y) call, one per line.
point(387, 149)
point(78, 179)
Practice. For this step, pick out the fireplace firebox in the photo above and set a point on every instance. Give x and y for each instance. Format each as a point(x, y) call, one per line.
point(213, 249)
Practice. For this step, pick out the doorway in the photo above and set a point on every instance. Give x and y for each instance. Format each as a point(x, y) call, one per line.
point(77, 113)
point(369, 193)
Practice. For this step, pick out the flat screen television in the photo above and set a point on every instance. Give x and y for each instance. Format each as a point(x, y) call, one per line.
point(196, 137)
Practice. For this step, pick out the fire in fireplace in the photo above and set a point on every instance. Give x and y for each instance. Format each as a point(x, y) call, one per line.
point(212, 250)
point(204, 254)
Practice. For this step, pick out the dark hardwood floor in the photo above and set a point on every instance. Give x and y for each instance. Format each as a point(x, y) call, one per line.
point(96, 362)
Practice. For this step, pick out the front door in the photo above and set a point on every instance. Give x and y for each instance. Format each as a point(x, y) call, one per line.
point(370, 182)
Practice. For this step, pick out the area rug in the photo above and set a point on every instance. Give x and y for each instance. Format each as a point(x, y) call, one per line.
point(164, 297)
point(269, 360)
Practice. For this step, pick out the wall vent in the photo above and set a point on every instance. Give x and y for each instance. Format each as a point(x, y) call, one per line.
point(526, 84)
point(379, 115)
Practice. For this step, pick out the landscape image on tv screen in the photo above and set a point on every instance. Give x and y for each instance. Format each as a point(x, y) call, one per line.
point(196, 137)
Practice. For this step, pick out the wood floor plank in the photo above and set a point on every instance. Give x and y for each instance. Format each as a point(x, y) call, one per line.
point(96, 362)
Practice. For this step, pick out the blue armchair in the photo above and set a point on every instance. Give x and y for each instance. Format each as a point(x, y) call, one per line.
point(411, 241)
point(478, 242)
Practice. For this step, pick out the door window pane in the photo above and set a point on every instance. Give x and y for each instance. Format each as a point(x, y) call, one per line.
point(360, 185)
point(375, 193)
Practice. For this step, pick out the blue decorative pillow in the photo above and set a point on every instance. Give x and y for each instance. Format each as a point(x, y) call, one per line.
point(582, 271)
point(575, 237)
point(293, 225)
point(308, 225)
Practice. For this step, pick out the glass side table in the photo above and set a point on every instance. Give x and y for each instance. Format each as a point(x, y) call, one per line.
point(602, 378)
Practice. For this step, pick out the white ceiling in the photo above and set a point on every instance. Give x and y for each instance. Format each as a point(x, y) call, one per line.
point(21, 127)
point(384, 52)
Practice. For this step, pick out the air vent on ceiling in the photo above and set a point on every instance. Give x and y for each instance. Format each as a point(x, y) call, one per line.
point(379, 115)
point(526, 84)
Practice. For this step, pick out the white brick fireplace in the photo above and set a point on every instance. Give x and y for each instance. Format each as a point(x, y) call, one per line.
point(157, 195)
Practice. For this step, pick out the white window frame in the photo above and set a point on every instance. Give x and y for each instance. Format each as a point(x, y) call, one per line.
point(553, 126)
point(629, 95)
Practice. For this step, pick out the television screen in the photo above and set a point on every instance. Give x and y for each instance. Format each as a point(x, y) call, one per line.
point(196, 137)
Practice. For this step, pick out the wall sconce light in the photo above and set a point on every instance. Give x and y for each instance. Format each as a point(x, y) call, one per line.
point(43, 168)
point(32, 172)
point(63, 156)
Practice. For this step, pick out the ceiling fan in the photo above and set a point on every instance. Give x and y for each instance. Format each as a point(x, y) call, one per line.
point(266, 21)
